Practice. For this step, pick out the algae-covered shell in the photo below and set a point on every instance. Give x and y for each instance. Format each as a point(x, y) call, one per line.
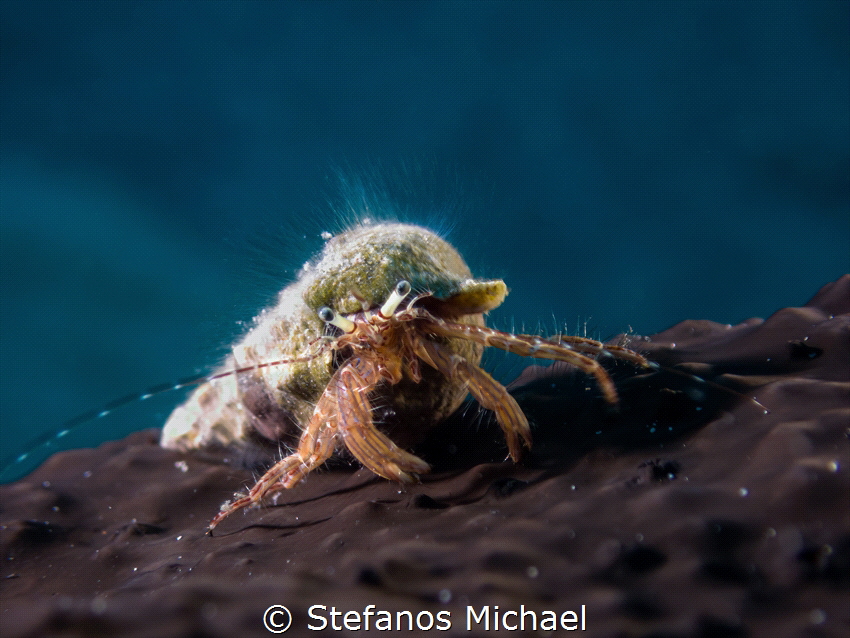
point(358, 267)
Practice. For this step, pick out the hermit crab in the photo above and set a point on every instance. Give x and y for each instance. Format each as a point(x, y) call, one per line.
point(377, 341)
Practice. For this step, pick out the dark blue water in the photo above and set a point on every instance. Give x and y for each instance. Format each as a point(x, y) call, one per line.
point(167, 165)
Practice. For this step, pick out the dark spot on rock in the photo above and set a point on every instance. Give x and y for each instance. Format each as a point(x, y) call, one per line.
point(829, 563)
point(641, 605)
point(661, 470)
point(368, 576)
point(507, 486)
point(32, 532)
point(655, 471)
point(143, 529)
point(673, 406)
point(722, 540)
point(426, 502)
point(802, 350)
point(642, 559)
point(505, 561)
point(724, 570)
point(723, 537)
point(666, 471)
point(634, 561)
point(64, 502)
point(711, 627)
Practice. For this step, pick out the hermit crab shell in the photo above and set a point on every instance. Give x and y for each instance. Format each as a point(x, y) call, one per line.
point(356, 270)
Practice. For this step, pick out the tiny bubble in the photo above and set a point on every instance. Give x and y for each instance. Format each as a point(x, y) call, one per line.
point(102, 414)
point(445, 595)
point(532, 571)
point(743, 491)
point(651, 430)
point(833, 466)
point(145, 396)
point(817, 616)
point(179, 537)
point(45, 483)
point(22, 457)
point(62, 433)
point(87, 474)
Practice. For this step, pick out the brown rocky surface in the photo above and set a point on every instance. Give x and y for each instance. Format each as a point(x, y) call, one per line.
point(688, 512)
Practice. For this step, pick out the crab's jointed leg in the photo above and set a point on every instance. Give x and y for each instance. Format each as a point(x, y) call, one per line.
point(528, 346)
point(354, 381)
point(487, 391)
point(593, 347)
point(314, 448)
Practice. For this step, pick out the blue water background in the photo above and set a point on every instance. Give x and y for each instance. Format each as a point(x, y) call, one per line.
point(165, 167)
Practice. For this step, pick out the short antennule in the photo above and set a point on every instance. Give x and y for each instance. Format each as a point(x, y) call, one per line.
point(402, 289)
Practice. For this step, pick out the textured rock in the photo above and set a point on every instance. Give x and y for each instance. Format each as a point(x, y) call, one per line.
point(688, 512)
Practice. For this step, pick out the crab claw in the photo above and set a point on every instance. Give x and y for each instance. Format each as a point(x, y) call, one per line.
point(369, 445)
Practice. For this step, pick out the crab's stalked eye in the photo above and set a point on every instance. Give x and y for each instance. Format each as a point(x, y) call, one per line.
point(329, 316)
point(402, 289)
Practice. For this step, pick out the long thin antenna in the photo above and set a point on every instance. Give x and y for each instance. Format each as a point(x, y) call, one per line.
point(47, 439)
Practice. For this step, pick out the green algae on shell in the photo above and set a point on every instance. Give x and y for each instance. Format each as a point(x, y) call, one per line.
point(371, 260)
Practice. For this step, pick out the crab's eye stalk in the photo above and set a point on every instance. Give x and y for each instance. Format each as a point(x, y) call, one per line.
point(401, 291)
point(329, 316)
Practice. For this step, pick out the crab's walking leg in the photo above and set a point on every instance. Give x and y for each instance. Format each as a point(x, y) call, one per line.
point(529, 346)
point(317, 441)
point(487, 391)
point(314, 448)
point(368, 444)
point(591, 346)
